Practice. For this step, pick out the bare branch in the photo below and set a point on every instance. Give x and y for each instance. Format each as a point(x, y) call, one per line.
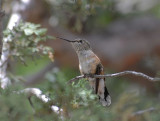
point(134, 73)
point(38, 93)
point(76, 78)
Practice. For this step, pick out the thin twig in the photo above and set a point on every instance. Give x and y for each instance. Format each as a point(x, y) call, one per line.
point(134, 73)
point(76, 78)
point(143, 111)
point(30, 101)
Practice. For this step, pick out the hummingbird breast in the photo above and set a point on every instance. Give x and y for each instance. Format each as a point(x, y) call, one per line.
point(88, 62)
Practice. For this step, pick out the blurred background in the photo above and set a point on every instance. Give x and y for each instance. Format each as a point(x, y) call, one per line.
point(125, 34)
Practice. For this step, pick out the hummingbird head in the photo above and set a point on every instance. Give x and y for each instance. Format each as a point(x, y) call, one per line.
point(79, 44)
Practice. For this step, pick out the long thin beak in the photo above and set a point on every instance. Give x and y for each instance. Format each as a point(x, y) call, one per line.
point(65, 39)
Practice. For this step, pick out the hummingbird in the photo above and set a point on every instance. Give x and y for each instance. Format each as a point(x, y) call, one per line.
point(90, 64)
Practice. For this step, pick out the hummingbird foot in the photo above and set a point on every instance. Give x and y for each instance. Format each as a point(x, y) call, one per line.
point(88, 75)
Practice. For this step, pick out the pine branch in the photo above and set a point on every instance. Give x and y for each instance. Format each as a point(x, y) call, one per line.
point(134, 73)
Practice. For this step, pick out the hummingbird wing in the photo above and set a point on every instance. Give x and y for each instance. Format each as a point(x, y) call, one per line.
point(100, 87)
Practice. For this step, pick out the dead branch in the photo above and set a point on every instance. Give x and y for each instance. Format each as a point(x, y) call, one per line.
point(38, 93)
point(134, 73)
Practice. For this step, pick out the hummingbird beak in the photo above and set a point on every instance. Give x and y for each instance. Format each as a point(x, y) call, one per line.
point(65, 39)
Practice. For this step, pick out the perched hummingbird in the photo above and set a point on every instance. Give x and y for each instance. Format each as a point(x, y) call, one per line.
point(90, 64)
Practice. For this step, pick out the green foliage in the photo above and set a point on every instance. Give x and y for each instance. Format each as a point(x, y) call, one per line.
point(156, 10)
point(13, 106)
point(84, 16)
point(77, 93)
point(25, 41)
point(16, 107)
point(80, 15)
point(77, 101)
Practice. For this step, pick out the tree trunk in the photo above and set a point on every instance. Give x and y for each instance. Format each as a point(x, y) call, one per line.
point(1, 25)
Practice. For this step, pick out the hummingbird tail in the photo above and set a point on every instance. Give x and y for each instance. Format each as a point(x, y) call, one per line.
point(105, 98)
point(101, 89)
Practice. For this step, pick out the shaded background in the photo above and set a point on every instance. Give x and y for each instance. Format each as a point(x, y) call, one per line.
point(125, 34)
